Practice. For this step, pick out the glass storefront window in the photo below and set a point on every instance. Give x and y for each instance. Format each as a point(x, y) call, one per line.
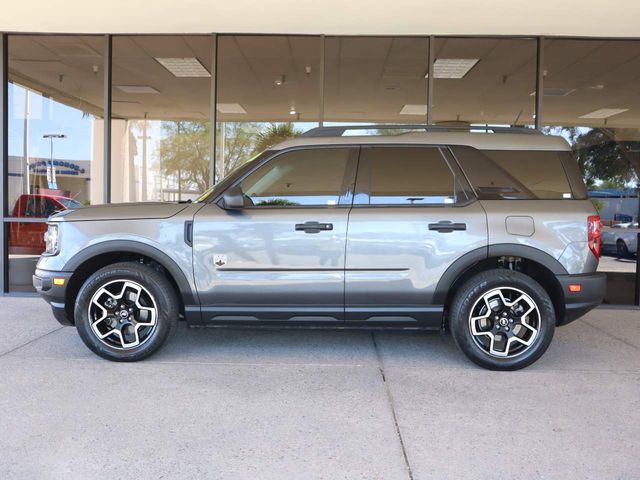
point(376, 79)
point(487, 81)
point(268, 91)
point(55, 95)
point(591, 99)
point(160, 128)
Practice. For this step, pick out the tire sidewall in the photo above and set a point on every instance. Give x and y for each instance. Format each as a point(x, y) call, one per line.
point(472, 291)
point(157, 285)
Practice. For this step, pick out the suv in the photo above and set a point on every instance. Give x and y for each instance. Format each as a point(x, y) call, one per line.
point(488, 235)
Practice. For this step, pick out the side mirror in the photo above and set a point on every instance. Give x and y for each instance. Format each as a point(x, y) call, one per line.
point(233, 198)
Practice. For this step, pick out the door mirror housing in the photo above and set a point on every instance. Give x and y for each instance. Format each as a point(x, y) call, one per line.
point(233, 198)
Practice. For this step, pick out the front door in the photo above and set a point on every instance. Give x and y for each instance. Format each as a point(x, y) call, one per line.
point(281, 258)
point(413, 215)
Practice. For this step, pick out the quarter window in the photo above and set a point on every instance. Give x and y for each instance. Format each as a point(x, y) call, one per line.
point(307, 177)
point(405, 176)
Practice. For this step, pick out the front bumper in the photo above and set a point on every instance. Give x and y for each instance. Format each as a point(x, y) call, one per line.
point(54, 294)
point(591, 294)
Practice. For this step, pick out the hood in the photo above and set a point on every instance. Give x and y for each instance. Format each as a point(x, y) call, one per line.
point(120, 211)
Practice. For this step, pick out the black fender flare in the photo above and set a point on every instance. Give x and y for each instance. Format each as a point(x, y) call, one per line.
point(132, 246)
point(469, 259)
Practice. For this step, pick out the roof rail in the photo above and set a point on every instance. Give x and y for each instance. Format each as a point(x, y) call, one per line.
point(338, 131)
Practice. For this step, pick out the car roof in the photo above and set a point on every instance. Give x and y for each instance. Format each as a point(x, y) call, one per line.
point(482, 141)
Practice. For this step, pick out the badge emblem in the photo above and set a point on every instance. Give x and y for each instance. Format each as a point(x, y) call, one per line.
point(219, 260)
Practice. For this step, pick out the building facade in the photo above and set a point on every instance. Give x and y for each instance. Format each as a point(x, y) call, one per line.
point(120, 113)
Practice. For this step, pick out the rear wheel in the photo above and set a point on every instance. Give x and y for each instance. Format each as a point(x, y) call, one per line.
point(622, 249)
point(126, 311)
point(502, 320)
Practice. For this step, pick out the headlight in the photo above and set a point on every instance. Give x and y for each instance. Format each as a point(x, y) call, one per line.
point(52, 240)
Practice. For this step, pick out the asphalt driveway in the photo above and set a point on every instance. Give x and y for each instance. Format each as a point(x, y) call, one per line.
point(283, 404)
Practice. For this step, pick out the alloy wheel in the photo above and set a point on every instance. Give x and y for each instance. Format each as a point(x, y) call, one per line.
point(504, 322)
point(123, 314)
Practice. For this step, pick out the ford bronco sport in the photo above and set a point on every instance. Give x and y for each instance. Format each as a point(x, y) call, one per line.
point(488, 235)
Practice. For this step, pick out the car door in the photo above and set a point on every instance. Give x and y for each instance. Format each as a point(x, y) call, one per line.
point(281, 257)
point(413, 215)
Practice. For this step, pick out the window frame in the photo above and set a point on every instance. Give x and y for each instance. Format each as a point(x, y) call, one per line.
point(346, 193)
point(362, 195)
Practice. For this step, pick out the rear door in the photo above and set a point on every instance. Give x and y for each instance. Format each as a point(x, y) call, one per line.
point(413, 216)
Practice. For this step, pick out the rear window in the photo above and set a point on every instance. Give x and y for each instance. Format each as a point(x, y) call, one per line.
point(509, 174)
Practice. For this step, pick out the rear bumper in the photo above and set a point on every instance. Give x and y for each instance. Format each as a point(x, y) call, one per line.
point(591, 294)
point(52, 293)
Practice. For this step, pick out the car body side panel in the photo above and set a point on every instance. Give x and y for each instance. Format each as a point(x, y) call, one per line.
point(164, 235)
point(559, 229)
point(254, 263)
point(394, 259)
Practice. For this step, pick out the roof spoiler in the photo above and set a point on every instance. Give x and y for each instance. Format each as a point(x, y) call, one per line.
point(338, 131)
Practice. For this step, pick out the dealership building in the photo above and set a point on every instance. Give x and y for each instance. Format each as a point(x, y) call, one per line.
point(154, 101)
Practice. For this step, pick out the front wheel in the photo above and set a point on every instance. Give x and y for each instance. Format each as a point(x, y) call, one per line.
point(502, 320)
point(126, 311)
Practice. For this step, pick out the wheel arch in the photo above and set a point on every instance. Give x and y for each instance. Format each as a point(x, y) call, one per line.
point(539, 265)
point(91, 259)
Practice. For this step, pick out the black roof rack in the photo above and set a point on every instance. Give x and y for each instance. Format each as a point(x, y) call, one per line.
point(338, 131)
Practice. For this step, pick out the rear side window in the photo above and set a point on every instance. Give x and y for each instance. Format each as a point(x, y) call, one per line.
point(406, 176)
point(522, 174)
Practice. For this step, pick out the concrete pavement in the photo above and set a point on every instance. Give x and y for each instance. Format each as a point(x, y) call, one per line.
point(291, 404)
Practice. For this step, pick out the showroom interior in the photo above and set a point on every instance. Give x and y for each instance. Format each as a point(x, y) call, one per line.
point(93, 119)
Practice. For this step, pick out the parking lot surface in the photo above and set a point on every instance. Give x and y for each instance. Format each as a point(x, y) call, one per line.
point(300, 404)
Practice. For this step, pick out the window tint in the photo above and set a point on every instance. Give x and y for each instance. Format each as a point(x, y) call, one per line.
point(541, 172)
point(405, 176)
point(308, 177)
point(507, 174)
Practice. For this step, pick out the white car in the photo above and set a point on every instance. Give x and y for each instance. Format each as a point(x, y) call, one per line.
point(623, 237)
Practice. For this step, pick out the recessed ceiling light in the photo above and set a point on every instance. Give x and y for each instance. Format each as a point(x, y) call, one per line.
point(555, 92)
point(452, 67)
point(136, 89)
point(414, 110)
point(184, 67)
point(230, 108)
point(604, 113)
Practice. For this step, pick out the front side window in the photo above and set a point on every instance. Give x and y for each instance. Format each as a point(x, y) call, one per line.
point(306, 177)
point(405, 176)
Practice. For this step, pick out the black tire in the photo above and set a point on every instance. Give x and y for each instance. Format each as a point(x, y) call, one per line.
point(621, 249)
point(162, 293)
point(469, 296)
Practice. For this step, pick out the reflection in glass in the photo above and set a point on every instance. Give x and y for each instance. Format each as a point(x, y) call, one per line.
point(592, 100)
point(55, 96)
point(268, 91)
point(161, 134)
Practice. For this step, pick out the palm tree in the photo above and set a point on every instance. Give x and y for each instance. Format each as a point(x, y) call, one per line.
point(274, 134)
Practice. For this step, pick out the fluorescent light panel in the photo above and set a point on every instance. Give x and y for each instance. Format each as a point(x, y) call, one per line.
point(413, 110)
point(452, 67)
point(230, 108)
point(185, 67)
point(136, 89)
point(604, 113)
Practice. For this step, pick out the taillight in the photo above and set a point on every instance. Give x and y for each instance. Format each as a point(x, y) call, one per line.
point(595, 238)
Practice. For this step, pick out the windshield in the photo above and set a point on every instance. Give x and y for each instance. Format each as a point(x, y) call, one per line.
point(240, 170)
point(69, 203)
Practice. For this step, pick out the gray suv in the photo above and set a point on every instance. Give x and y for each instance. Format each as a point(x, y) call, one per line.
point(488, 235)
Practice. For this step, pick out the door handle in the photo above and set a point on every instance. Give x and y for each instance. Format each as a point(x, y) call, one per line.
point(446, 226)
point(314, 227)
